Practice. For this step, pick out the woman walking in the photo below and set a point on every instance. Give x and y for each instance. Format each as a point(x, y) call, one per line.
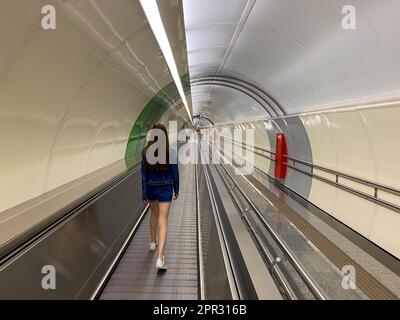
point(160, 183)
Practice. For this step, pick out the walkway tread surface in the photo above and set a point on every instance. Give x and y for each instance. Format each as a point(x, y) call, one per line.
point(136, 276)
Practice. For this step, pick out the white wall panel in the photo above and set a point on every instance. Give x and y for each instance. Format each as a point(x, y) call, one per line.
point(69, 97)
point(351, 144)
point(34, 96)
point(383, 132)
point(355, 212)
point(324, 152)
point(358, 142)
point(385, 230)
point(323, 196)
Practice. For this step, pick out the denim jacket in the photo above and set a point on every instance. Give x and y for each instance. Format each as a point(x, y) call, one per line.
point(159, 178)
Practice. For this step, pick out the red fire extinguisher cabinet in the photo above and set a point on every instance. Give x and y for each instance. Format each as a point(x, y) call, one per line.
point(280, 156)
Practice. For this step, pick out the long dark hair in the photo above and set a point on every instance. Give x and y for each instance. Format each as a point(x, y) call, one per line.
point(158, 166)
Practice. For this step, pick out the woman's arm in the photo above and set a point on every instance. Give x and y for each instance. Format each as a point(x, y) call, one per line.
point(144, 180)
point(175, 173)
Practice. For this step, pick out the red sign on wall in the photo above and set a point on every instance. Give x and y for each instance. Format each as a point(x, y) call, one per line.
point(280, 156)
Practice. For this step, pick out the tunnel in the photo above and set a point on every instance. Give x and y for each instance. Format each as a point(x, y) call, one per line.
point(284, 115)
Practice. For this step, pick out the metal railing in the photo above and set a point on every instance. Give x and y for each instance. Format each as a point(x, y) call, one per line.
point(199, 240)
point(375, 187)
point(274, 267)
point(273, 262)
point(106, 277)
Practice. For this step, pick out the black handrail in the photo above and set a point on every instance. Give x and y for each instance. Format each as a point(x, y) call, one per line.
point(25, 239)
point(376, 186)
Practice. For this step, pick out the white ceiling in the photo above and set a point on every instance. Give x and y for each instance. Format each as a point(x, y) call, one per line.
point(223, 104)
point(294, 50)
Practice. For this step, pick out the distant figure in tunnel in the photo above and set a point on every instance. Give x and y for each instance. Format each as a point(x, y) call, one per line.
point(160, 184)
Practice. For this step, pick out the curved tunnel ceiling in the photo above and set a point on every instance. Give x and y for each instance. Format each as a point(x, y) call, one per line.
point(296, 51)
point(270, 106)
point(225, 104)
point(202, 120)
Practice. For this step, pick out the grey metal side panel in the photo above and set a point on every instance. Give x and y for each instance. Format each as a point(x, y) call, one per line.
point(299, 147)
point(216, 285)
point(80, 249)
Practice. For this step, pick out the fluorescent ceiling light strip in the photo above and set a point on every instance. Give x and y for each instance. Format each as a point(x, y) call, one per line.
point(152, 13)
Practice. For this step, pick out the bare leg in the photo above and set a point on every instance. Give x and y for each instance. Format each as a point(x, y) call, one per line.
point(153, 220)
point(163, 225)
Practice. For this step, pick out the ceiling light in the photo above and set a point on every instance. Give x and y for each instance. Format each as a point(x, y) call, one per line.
point(152, 13)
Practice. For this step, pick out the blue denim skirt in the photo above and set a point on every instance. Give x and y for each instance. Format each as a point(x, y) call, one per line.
point(160, 193)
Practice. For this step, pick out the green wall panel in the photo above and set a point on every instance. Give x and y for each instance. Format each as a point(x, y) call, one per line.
point(150, 115)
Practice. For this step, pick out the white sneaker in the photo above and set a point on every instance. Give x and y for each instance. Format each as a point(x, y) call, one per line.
point(160, 265)
point(153, 246)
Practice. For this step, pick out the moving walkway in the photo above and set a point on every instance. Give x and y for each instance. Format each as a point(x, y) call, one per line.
point(230, 237)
